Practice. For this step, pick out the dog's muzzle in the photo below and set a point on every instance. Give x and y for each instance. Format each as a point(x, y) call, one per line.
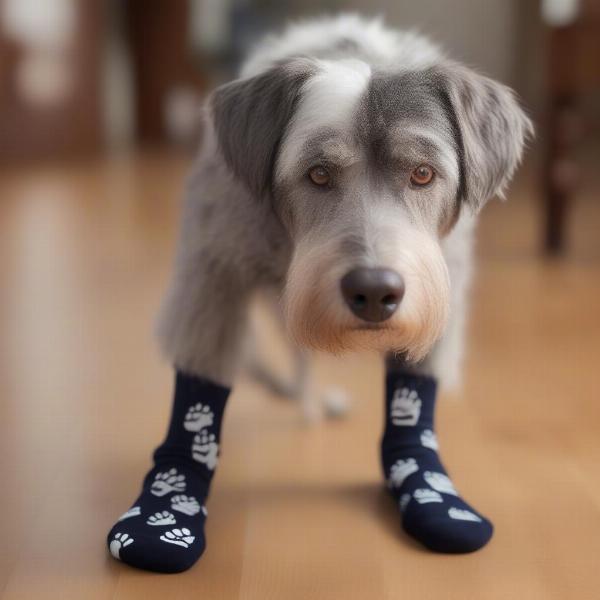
point(373, 294)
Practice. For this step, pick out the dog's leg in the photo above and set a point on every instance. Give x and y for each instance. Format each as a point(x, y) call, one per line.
point(302, 387)
point(200, 329)
point(257, 365)
point(332, 402)
point(432, 511)
point(305, 386)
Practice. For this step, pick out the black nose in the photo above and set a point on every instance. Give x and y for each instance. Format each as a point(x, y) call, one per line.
point(373, 294)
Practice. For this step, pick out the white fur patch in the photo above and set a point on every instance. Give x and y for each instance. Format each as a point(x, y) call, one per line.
point(329, 99)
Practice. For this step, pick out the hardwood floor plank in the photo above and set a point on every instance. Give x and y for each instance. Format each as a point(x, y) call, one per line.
point(296, 511)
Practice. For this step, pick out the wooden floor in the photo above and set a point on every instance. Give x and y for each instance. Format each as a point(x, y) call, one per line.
point(296, 512)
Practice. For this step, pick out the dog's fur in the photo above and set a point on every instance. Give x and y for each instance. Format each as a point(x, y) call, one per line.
point(370, 104)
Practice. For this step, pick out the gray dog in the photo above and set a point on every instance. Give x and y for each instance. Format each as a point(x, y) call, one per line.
point(344, 169)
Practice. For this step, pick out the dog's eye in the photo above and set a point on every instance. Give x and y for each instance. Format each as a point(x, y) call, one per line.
point(422, 175)
point(319, 176)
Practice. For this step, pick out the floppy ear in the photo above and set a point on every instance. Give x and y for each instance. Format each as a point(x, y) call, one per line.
point(490, 130)
point(250, 117)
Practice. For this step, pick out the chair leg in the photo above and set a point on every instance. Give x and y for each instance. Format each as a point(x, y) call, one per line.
point(560, 173)
point(563, 131)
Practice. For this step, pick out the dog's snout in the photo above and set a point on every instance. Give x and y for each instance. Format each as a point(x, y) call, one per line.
point(373, 294)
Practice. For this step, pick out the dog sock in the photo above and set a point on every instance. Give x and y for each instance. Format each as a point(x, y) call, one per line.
point(432, 511)
point(164, 528)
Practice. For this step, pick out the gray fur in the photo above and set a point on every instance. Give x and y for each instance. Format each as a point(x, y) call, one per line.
point(250, 116)
point(490, 129)
point(229, 245)
point(412, 111)
point(400, 122)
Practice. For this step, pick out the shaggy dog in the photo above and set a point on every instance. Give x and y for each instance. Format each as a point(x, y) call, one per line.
point(344, 169)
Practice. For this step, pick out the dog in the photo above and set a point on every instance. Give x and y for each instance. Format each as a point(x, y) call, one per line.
point(343, 171)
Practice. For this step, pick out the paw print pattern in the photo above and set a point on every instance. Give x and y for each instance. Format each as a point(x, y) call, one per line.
point(429, 440)
point(405, 409)
point(165, 483)
point(161, 518)
point(425, 496)
point(205, 449)
point(134, 511)
point(180, 537)
point(188, 505)
point(463, 515)
point(440, 482)
point(403, 503)
point(198, 417)
point(120, 541)
point(400, 470)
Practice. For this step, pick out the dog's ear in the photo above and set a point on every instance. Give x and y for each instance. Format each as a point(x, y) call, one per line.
point(250, 117)
point(490, 131)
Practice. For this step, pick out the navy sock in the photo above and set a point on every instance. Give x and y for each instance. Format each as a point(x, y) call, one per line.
point(164, 528)
point(432, 511)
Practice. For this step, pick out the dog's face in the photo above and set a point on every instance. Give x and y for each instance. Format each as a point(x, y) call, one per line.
point(368, 171)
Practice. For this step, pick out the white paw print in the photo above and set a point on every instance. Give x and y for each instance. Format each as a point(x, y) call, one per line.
point(400, 470)
point(161, 518)
point(403, 503)
point(440, 482)
point(180, 537)
point(188, 505)
point(405, 408)
point(425, 496)
point(205, 449)
point(167, 482)
point(120, 541)
point(429, 440)
point(463, 515)
point(134, 511)
point(198, 417)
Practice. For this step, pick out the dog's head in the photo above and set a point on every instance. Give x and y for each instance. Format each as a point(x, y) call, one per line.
point(368, 171)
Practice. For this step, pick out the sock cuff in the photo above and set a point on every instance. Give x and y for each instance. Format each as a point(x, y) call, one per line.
point(199, 397)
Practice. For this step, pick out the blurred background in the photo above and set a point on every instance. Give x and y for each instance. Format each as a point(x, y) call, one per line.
point(99, 103)
point(103, 76)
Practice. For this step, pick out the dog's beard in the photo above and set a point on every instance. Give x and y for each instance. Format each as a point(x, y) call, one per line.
point(318, 318)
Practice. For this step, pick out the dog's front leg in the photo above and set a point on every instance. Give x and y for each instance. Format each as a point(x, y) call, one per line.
point(200, 328)
point(432, 511)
